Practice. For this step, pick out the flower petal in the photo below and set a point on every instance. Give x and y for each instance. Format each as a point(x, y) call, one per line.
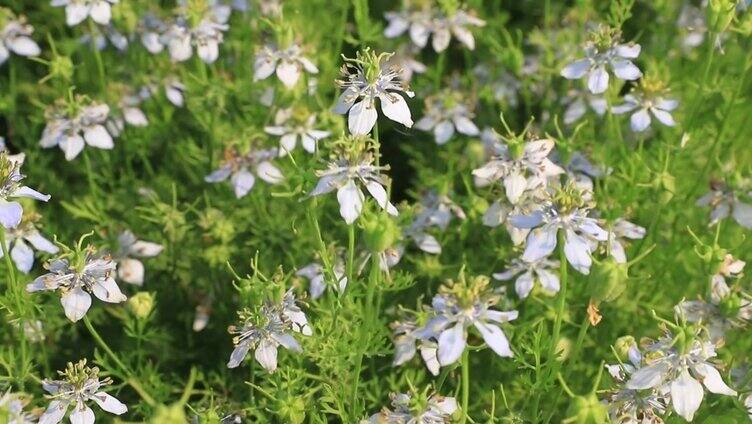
point(640, 120)
point(540, 243)
point(242, 182)
point(686, 395)
point(23, 256)
point(626, 70)
point(107, 290)
point(495, 339)
point(395, 108)
point(266, 355)
point(711, 378)
point(362, 118)
point(97, 136)
point(598, 80)
point(576, 69)
point(350, 200)
point(75, 303)
point(110, 403)
point(10, 214)
point(289, 73)
point(451, 344)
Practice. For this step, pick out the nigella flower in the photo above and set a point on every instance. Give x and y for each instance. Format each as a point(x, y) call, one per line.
point(681, 367)
point(602, 51)
point(570, 215)
point(78, 10)
point(645, 104)
point(464, 304)
point(499, 213)
point(129, 112)
point(20, 252)
point(130, 269)
point(422, 24)
point(346, 176)
point(240, 170)
point(266, 330)
point(435, 211)
point(76, 274)
point(288, 63)
point(79, 385)
point(11, 409)
point(292, 127)
point(365, 79)
point(407, 333)
point(206, 36)
point(618, 232)
point(446, 113)
point(316, 275)
point(151, 28)
point(70, 127)
point(578, 102)
point(528, 273)
point(15, 37)
point(522, 166)
point(175, 91)
point(426, 409)
point(724, 201)
point(630, 406)
point(11, 211)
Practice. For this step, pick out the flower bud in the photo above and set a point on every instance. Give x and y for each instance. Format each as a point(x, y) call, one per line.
point(380, 232)
point(608, 279)
point(587, 409)
point(623, 345)
point(141, 304)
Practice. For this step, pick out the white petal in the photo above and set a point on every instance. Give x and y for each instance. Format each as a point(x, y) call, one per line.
point(97, 136)
point(395, 108)
point(107, 290)
point(237, 355)
point(663, 116)
point(76, 303)
point(428, 243)
point(10, 214)
point(527, 221)
point(180, 47)
point(451, 344)
point(443, 131)
point(686, 395)
point(648, 377)
point(25, 191)
point(135, 116)
point(24, 46)
point(23, 256)
point(263, 67)
point(345, 101)
point(269, 173)
point(548, 279)
point(419, 33)
point(425, 123)
point(218, 175)
point(465, 126)
point(146, 249)
point(626, 70)
point(54, 412)
point(289, 73)
point(242, 182)
point(576, 69)
point(441, 39)
point(465, 36)
point(640, 120)
point(75, 13)
point(72, 146)
point(362, 118)
point(540, 243)
point(598, 80)
point(41, 243)
point(131, 271)
point(430, 357)
point(743, 214)
point(287, 143)
point(514, 185)
point(350, 200)
point(100, 12)
point(711, 378)
point(495, 339)
point(208, 51)
point(288, 341)
point(524, 284)
point(266, 355)
point(379, 193)
point(110, 403)
point(629, 51)
point(577, 250)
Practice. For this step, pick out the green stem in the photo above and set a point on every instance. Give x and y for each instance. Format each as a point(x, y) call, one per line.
point(373, 279)
point(350, 252)
point(90, 174)
point(97, 56)
point(562, 297)
point(465, 384)
point(16, 290)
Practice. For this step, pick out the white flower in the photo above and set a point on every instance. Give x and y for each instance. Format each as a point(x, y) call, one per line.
point(180, 38)
point(435, 211)
point(371, 79)
point(446, 113)
point(422, 24)
point(76, 11)
point(499, 212)
point(267, 330)
point(630, 406)
point(438, 410)
point(598, 58)
point(528, 273)
point(130, 269)
point(71, 131)
point(681, 372)
point(691, 24)
point(11, 409)
point(175, 91)
point(620, 230)
point(522, 167)
point(75, 282)
point(288, 64)
point(316, 275)
point(645, 106)
point(290, 129)
point(346, 177)
point(406, 334)
point(724, 201)
point(240, 170)
point(388, 258)
point(11, 211)
point(80, 385)
point(15, 37)
point(577, 103)
point(151, 29)
point(20, 252)
point(578, 228)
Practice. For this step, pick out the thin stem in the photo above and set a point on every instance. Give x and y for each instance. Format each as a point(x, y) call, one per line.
point(97, 55)
point(373, 279)
point(14, 288)
point(562, 296)
point(465, 384)
point(378, 144)
point(350, 252)
point(90, 174)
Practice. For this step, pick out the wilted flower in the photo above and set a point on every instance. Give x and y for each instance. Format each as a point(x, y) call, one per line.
point(416, 408)
point(11, 211)
point(72, 126)
point(181, 36)
point(601, 51)
point(316, 275)
point(15, 37)
point(618, 232)
point(569, 214)
point(528, 273)
point(288, 63)
point(345, 176)
point(445, 113)
point(240, 170)
point(681, 369)
point(647, 104)
point(266, 330)
point(16, 239)
point(78, 10)
point(724, 201)
point(292, 127)
point(630, 406)
point(130, 269)
point(522, 166)
point(366, 78)
point(76, 274)
point(11, 409)
point(79, 385)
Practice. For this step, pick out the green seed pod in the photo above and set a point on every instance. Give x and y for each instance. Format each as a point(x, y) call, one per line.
point(587, 409)
point(61, 67)
point(141, 304)
point(608, 280)
point(380, 232)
